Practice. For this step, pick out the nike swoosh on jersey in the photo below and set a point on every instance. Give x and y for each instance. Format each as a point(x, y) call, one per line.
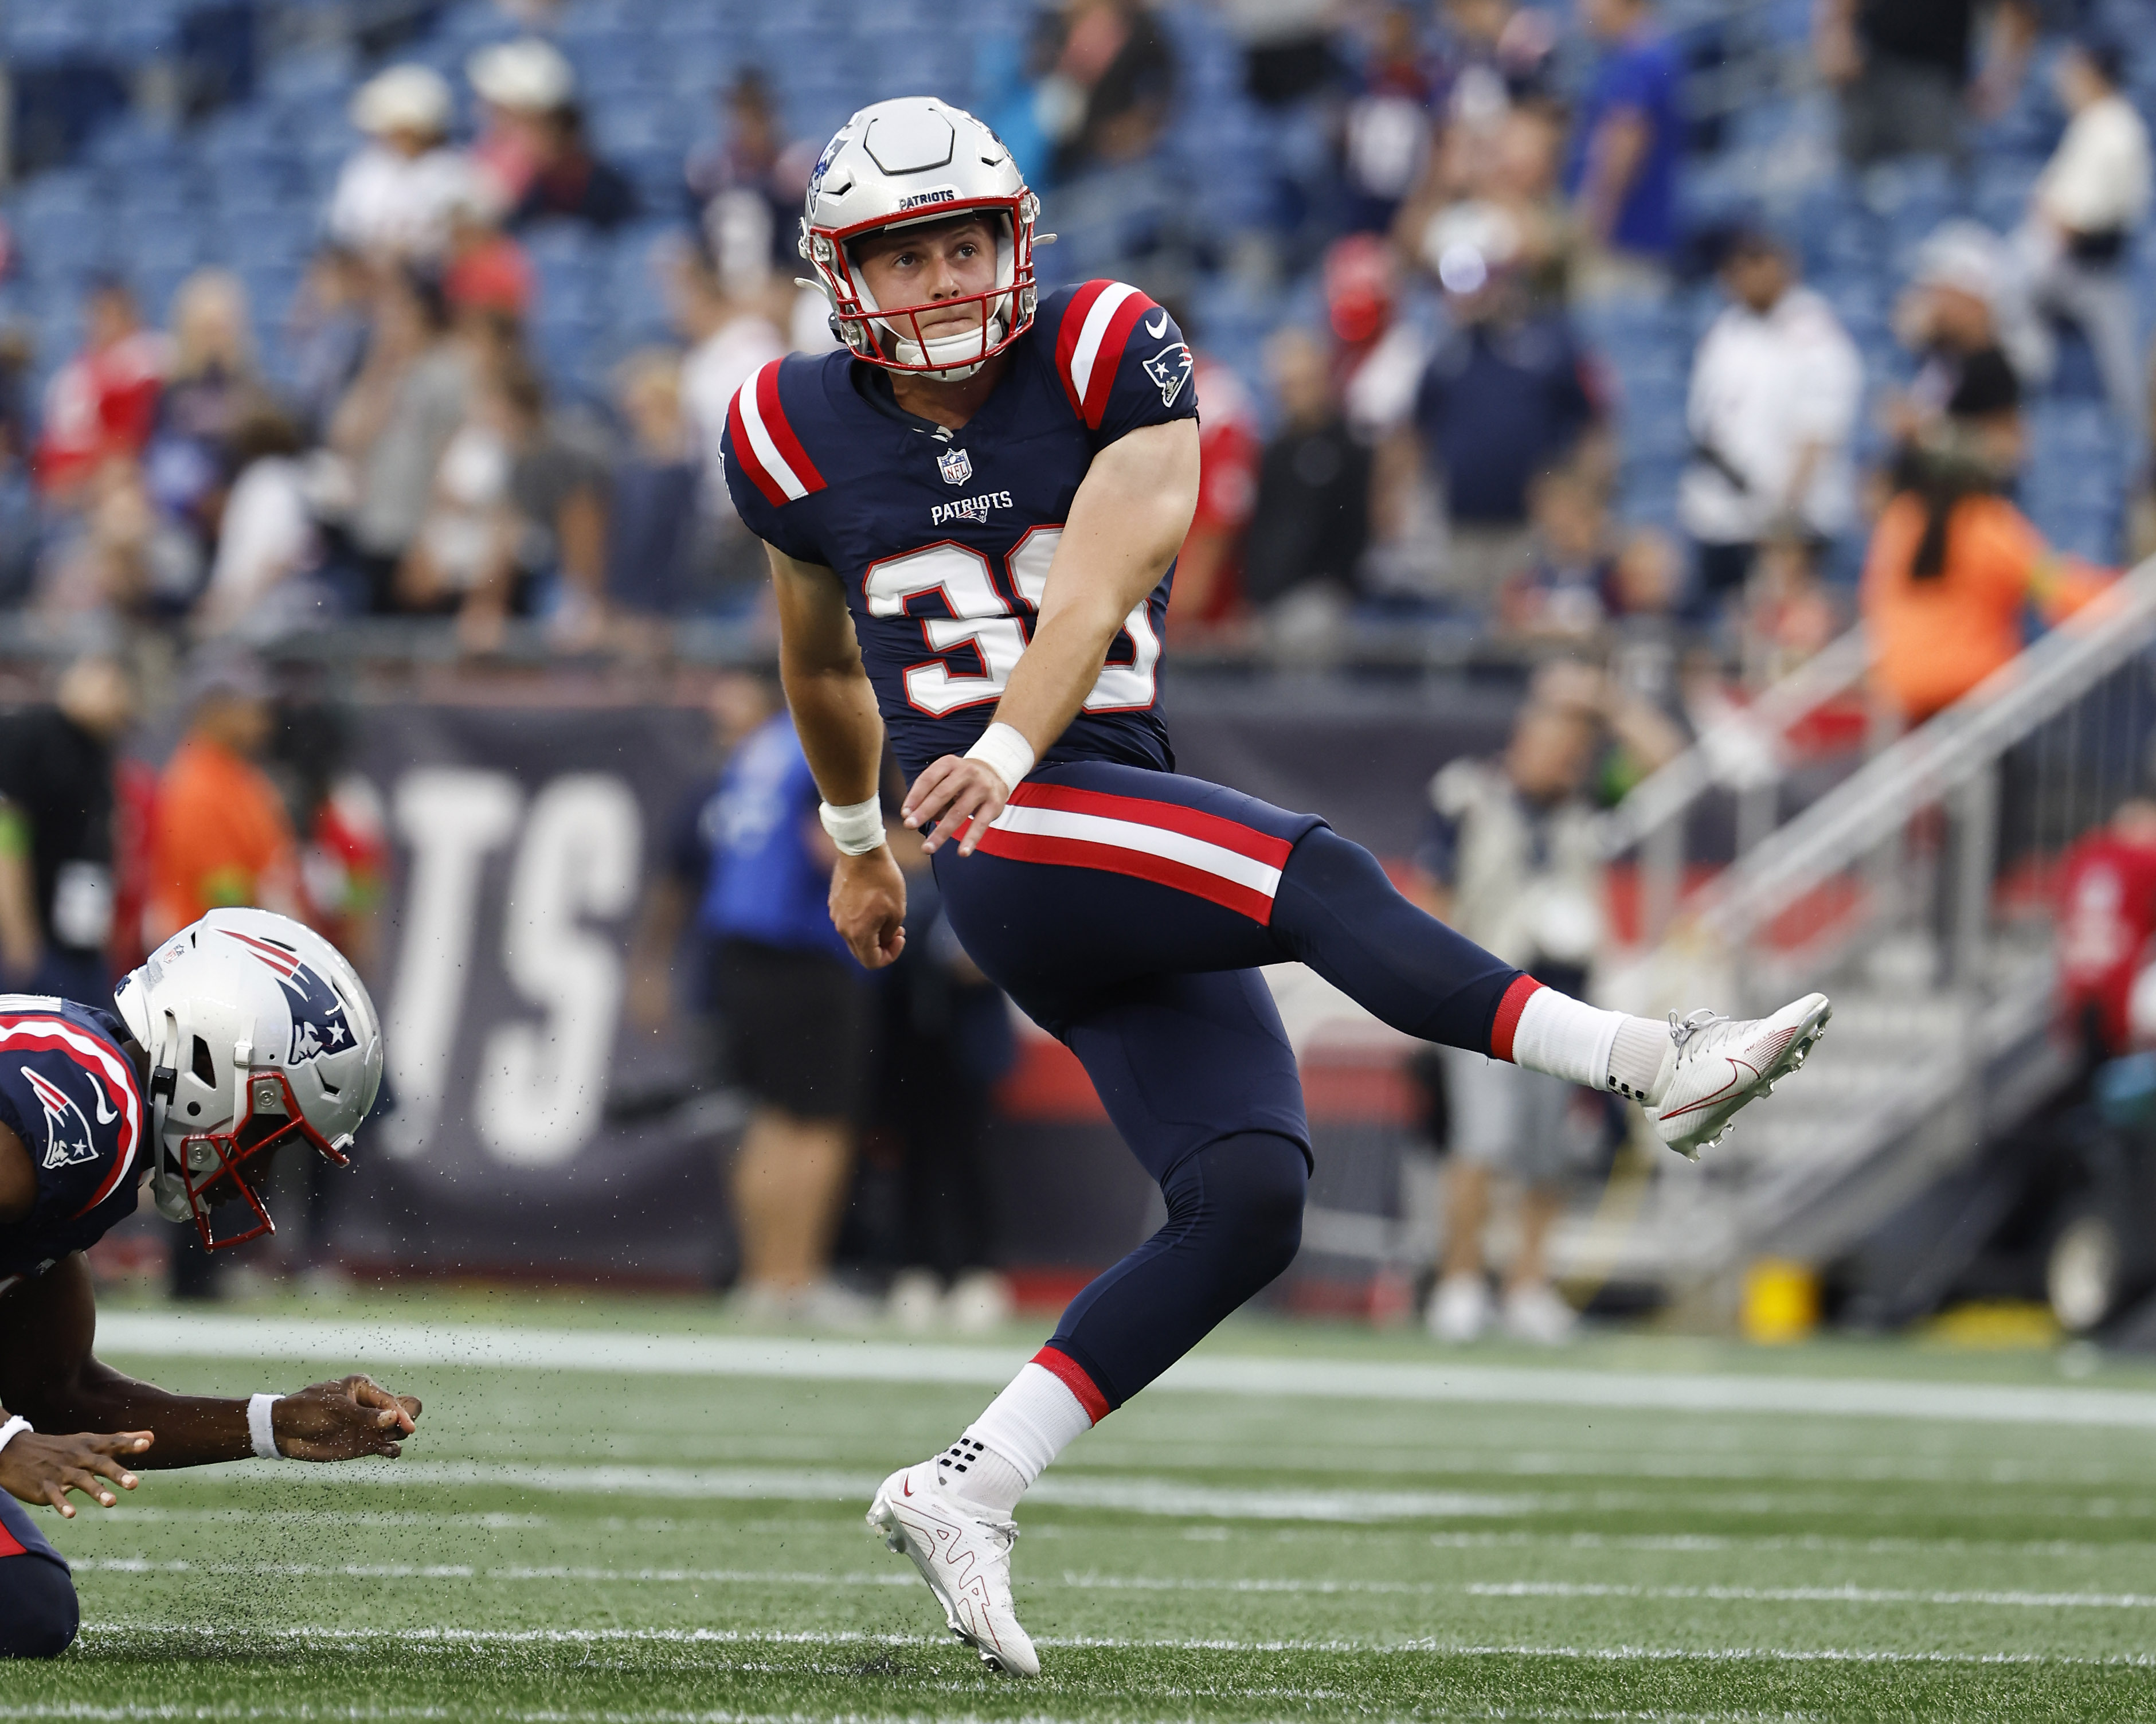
point(105, 1113)
point(1158, 326)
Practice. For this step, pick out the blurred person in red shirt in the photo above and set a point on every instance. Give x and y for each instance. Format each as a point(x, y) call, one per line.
point(103, 402)
point(2107, 918)
point(221, 835)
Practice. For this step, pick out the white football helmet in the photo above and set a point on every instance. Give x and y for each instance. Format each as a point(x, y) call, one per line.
point(258, 1030)
point(900, 163)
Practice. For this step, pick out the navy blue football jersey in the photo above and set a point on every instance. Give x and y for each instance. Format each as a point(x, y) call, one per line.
point(70, 1093)
point(943, 539)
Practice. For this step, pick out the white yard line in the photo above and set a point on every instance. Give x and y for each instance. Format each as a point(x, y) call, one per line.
point(463, 1637)
point(165, 1335)
point(1129, 1495)
point(114, 1521)
point(1075, 1581)
point(1141, 1497)
point(1813, 1595)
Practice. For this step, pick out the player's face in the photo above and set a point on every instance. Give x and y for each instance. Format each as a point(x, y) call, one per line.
point(923, 266)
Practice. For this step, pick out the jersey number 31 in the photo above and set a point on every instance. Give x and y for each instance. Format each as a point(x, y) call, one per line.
point(981, 618)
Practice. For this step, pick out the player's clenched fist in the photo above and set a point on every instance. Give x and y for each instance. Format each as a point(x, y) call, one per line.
point(342, 1421)
point(868, 906)
point(42, 1469)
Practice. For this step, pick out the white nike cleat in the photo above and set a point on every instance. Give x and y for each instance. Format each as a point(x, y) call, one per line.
point(1714, 1066)
point(965, 1558)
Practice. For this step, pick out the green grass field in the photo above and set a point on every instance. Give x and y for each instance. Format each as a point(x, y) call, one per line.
point(1316, 1523)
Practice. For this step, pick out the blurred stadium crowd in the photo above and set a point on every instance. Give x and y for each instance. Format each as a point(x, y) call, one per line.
point(1675, 335)
point(1515, 324)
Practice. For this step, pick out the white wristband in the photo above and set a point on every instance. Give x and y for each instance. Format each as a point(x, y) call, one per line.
point(856, 828)
point(13, 1429)
point(1005, 749)
point(259, 1428)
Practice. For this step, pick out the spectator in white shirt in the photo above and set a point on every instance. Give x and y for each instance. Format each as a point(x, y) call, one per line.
point(1775, 389)
point(2093, 194)
point(729, 339)
point(394, 199)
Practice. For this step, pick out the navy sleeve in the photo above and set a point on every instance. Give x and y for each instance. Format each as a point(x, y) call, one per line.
point(770, 474)
point(1122, 361)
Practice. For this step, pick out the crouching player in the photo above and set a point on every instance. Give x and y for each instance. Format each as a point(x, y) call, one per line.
point(245, 1034)
point(973, 507)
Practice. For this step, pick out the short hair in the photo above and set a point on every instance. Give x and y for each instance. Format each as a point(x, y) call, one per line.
point(2106, 55)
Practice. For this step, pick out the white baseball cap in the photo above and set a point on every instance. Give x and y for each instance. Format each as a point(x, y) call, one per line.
point(529, 74)
point(409, 98)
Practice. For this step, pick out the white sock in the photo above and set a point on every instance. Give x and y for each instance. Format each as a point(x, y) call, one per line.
point(1558, 1034)
point(1011, 1443)
point(1635, 1059)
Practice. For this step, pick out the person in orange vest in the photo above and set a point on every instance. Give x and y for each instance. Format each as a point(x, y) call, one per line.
point(221, 837)
point(1953, 567)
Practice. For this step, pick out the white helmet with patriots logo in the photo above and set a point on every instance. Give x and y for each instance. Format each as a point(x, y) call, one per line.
point(896, 164)
point(257, 1031)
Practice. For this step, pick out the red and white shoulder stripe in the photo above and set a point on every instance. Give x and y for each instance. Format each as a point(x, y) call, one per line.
point(765, 443)
point(107, 1071)
point(1234, 865)
point(1089, 347)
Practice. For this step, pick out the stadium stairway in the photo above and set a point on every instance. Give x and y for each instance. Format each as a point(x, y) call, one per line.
point(1915, 894)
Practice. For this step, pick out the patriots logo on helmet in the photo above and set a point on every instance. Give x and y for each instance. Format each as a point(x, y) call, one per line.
point(956, 466)
point(1170, 370)
point(66, 1132)
point(319, 1026)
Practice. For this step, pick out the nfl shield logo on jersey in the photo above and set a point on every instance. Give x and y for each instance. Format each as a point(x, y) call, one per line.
point(956, 465)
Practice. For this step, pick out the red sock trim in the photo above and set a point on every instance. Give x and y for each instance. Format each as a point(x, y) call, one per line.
point(1073, 1377)
point(1507, 1020)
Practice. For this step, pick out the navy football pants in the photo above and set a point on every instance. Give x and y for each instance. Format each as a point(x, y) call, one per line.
point(37, 1611)
point(1128, 913)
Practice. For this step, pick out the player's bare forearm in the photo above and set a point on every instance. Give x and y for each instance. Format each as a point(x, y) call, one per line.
point(835, 714)
point(1127, 521)
point(827, 689)
point(49, 1375)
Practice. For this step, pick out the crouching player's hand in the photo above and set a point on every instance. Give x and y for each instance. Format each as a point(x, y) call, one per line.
point(960, 796)
point(342, 1421)
point(38, 1469)
point(868, 906)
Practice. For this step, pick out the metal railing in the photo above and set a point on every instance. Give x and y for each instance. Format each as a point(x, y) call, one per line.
point(1918, 891)
point(1747, 753)
point(2077, 703)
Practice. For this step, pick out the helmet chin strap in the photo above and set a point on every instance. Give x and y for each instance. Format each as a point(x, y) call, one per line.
point(918, 353)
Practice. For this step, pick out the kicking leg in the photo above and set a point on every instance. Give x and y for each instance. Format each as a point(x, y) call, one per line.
point(1335, 910)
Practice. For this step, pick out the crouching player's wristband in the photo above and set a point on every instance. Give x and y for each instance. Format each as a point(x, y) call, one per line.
point(856, 828)
point(259, 1428)
point(13, 1429)
point(1007, 751)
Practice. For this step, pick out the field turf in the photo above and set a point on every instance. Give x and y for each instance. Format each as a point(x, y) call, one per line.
point(633, 1511)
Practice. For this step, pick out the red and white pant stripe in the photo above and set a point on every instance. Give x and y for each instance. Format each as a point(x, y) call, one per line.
point(1206, 855)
